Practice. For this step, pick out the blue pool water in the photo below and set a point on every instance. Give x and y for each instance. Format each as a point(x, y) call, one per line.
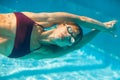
point(98, 60)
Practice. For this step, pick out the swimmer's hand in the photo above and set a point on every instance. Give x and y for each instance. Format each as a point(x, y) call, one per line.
point(111, 27)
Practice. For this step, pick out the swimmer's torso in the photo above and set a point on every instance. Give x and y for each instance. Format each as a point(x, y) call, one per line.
point(7, 37)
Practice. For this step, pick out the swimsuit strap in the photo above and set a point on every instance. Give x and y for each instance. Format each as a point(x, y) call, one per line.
point(42, 27)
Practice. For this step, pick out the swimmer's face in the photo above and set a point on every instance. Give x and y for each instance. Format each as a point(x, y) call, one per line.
point(64, 35)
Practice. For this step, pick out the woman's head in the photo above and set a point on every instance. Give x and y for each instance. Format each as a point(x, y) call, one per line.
point(66, 34)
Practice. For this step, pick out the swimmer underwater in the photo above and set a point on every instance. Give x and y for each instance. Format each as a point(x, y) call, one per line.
point(23, 35)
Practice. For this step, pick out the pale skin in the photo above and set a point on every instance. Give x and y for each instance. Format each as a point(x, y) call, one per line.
point(8, 32)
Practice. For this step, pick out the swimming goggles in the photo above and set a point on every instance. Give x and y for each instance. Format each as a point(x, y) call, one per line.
point(72, 34)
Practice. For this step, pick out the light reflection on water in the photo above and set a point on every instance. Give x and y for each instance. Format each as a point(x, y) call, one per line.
point(78, 65)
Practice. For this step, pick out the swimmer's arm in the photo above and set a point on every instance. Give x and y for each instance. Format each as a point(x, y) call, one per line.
point(49, 19)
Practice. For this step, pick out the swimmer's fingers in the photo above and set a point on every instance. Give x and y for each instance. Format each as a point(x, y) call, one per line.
point(111, 25)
